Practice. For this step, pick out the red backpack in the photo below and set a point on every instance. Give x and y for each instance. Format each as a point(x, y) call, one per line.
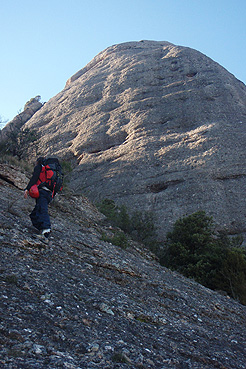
point(51, 175)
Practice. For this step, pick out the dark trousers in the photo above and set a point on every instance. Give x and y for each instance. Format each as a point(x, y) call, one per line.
point(40, 216)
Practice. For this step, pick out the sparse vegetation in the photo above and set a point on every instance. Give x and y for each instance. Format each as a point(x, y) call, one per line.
point(18, 142)
point(193, 248)
point(216, 261)
point(119, 239)
point(140, 226)
point(66, 166)
point(13, 160)
point(32, 100)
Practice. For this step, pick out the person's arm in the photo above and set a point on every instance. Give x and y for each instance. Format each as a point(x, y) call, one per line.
point(34, 179)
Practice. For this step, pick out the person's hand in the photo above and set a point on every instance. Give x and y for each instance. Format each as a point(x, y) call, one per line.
point(25, 194)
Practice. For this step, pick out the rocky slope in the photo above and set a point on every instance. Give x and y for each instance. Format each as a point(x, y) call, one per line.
point(80, 302)
point(156, 127)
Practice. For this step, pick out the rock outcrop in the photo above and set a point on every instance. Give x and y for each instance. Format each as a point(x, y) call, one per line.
point(80, 302)
point(30, 108)
point(156, 127)
point(11, 174)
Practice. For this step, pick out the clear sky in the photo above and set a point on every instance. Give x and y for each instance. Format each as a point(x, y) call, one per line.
point(43, 43)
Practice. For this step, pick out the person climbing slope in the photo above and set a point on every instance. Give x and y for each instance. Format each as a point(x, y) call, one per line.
point(46, 180)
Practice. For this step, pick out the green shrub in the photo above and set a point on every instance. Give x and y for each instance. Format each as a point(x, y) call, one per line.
point(66, 166)
point(217, 262)
point(108, 208)
point(18, 142)
point(67, 169)
point(118, 239)
point(143, 228)
point(140, 226)
point(233, 272)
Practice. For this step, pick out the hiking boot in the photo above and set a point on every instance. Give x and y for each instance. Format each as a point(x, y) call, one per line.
point(45, 233)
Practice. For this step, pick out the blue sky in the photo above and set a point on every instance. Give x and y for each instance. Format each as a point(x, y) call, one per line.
point(44, 43)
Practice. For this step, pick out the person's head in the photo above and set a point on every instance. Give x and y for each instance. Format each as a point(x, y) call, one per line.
point(40, 160)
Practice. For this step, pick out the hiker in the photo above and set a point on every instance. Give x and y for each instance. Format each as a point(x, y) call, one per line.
point(40, 216)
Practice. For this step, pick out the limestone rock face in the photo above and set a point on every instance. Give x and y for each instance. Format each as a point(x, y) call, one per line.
point(30, 108)
point(156, 127)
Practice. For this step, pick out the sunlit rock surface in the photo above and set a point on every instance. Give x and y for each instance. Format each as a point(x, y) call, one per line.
point(156, 127)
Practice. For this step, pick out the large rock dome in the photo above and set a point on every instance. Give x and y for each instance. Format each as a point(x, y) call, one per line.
point(156, 127)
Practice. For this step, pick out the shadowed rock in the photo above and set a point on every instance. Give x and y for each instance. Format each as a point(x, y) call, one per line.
point(81, 302)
